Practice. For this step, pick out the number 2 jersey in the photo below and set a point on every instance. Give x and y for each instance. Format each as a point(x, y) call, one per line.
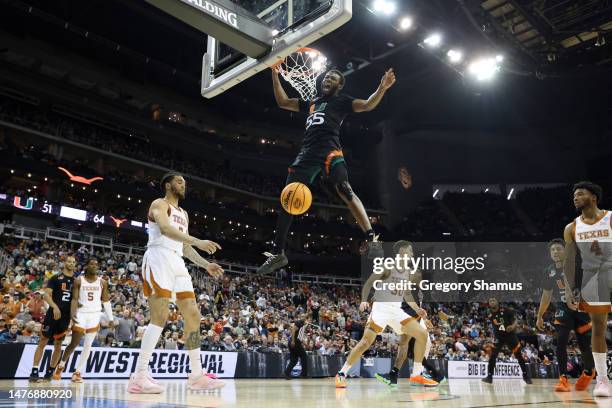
point(325, 117)
point(61, 287)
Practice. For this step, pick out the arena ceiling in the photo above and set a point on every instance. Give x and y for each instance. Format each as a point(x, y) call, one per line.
point(551, 47)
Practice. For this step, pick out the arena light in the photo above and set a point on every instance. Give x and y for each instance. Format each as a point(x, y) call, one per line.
point(454, 56)
point(405, 23)
point(510, 193)
point(386, 7)
point(434, 40)
point(484, 69)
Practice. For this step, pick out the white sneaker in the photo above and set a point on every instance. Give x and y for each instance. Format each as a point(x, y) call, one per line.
point(141, 384)
point(602, 388)
point(153, 380)
point(201, 382)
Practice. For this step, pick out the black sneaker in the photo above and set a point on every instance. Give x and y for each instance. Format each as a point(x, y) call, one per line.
point(488, 380)
point(34, 378)
point(527, 379)
point(48, 376)
point(389, 379)
point(273, 263)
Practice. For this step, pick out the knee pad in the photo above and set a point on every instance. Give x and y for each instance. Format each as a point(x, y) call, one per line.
point(345, 189)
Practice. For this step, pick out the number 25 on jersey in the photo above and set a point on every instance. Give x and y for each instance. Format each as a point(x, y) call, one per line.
point(317, 118)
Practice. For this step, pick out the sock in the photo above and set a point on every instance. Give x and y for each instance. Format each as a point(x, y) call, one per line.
point(417, 369)
point(369, 235)
point(588, 371)
point(34, 371)
point(148, 343)
point(194, 360)
point(395, 371)
point(600, 365)
point(345, 368)
point(89, 338)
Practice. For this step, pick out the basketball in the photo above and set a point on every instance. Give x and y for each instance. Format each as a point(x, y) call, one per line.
point(296, 198)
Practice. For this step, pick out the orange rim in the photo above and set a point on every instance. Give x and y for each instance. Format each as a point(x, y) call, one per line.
point(302, 50)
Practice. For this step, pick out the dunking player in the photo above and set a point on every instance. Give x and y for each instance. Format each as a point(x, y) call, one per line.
point(504, 325)
point(589, 240)
point(406, 343)
point(321, 150)
point(565, 321)
point(89, 295)
point(165, 276)
point(387, 311)
point(58, 295)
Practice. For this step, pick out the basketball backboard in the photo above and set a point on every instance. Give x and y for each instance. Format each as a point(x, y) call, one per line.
point(293, 24)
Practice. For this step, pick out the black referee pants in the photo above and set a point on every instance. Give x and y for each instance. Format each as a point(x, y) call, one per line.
point(295, 353)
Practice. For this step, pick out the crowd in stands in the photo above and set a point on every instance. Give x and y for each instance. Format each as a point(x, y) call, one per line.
point(244, 312)
point(147, 151)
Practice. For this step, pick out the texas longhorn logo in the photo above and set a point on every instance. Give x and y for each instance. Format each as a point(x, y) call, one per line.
point(80, 179)
point(118, 221)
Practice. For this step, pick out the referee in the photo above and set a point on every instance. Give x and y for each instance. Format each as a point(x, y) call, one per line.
point(296, 349)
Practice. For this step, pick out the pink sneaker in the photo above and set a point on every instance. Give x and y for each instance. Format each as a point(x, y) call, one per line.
point(141, 384)
point(602, 388)
point(200, 382)
point(213, 376)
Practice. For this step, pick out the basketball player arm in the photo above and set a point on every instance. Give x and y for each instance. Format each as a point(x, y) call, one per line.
point(193, 256)
point(159, 212)
point(47, 298)
point(106, 304)
point(367, 286)
point(366, 105)
point(74, 303)
point(544, 303)
point(407, 295)
point(569, 265)
point(283, 101)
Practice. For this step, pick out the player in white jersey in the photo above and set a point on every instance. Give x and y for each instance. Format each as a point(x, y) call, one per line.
point(589, 240)
point(387, 311)
point(407, 342)
point(89, 295)
point(164, 277)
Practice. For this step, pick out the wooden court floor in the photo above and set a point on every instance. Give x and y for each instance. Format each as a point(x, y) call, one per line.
point(361, 393)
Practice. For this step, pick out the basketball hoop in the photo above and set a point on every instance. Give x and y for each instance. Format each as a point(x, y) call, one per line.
point(301, 69)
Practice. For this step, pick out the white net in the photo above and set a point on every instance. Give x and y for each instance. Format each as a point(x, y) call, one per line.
point(301, 69)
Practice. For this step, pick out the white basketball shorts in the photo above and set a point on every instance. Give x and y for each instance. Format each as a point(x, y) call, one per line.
point(165, 275)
